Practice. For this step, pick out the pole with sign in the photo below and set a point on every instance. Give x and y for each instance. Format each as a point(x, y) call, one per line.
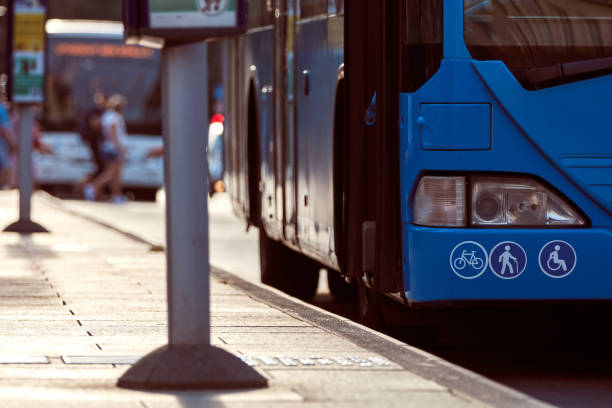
point(25, 89)
point(189, 361)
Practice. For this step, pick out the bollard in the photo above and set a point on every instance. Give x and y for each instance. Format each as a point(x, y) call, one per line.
point(189, 361)
point(24, 224)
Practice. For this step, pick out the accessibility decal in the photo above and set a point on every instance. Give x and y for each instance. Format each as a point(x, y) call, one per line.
point(557, 259)
point(468, 260)
point(507, 260)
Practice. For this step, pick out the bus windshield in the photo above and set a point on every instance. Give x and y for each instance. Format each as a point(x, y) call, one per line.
point(532, 36)
point(78, 68)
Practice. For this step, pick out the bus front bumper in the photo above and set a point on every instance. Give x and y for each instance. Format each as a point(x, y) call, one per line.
point(443, 264)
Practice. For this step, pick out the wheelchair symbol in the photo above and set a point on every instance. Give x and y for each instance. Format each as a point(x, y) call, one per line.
point(468, 260)
point(557, 259)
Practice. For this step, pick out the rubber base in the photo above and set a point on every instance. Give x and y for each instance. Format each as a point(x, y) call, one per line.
point(25, 227)
point(200, 367)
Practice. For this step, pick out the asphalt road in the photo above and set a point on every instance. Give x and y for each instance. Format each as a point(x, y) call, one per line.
point(559, 354)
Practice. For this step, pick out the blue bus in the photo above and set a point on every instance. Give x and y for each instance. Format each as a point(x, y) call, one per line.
point(433, 151)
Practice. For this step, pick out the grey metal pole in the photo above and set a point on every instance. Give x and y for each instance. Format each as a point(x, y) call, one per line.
point(189, 361)
point(24, 224)
point(26, 122)
point(185, 171)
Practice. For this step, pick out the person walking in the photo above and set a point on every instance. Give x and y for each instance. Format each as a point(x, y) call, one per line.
point(112, 151)
point(91, 134)
point(505, 258)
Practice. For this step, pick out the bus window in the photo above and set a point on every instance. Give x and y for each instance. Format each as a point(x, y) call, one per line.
point(531, 36)
point(78, 68)
point(335, 7)
point(311, 8)
point(421, 45)
point(259, 13)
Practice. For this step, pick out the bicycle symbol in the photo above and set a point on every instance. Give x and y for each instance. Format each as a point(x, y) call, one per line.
point(468, 258)
point(468, 253)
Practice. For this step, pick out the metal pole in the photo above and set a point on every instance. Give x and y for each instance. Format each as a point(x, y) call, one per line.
point(184, 79)
point(24, 224)
point(26, 122)
point(189, 361)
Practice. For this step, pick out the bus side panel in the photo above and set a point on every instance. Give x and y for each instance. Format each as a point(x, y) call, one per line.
point(232, 132)
point(237, 138)
point(315, 120)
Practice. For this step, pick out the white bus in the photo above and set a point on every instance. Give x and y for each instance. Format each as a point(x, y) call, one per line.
point(88, 57)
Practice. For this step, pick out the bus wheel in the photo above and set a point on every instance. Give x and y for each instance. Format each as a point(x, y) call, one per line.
point(287, 270)
point(340, 290)
point(369, 306)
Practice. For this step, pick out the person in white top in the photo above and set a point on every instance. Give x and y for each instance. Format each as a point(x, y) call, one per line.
point(112, 150)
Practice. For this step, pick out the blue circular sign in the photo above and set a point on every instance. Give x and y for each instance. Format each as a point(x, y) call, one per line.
point(468, 260)
point(557, 259)
point(507, 260)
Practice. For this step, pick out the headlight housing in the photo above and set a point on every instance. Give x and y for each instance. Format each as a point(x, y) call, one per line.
point(440, 201)
point(495, 201)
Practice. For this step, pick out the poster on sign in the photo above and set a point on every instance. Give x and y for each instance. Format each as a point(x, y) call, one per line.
point(161, 23)
point(28, 51)
point(190, 13)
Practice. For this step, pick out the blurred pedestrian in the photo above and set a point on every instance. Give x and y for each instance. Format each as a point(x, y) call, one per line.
point(112, 151)
point(91, 134)
point(8, 144)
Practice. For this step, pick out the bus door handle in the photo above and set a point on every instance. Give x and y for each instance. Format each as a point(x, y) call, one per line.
point(370, 114)
point(306, 75)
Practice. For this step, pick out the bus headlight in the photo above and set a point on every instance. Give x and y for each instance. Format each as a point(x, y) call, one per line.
point(518, 201)
point(440, 201)
point(495, 201)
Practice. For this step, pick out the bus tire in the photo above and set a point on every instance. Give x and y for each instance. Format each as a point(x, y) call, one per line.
point(369, 306)
point(339, 288)
point(287, 270)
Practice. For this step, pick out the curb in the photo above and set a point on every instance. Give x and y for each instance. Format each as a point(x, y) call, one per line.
point(457, 379)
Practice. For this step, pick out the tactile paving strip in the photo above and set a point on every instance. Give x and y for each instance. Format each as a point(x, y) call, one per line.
point(100, 359)
point(8, 359)
point(314, 361)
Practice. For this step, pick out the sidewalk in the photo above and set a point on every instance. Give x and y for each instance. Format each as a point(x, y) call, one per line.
point(81, 303)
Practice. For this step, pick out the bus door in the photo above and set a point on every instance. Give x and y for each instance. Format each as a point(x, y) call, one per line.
point(284, 115)
point(372, 227)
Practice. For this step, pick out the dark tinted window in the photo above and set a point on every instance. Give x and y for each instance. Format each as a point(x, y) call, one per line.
point(336, 6)
point(527, 34)
point(259, 13)
point(80, 68)
point(421, 45)
point(310, 8)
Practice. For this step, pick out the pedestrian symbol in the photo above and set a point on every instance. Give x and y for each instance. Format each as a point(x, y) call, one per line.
point(557, 259)
point(507, 260)
point(468, 260)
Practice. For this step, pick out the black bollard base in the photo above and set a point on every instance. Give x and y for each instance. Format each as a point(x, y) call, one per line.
point(199, 367)
point(25, 227)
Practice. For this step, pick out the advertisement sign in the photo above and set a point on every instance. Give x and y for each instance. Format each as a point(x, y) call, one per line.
point(28, 51)
point(192, 13)
point(174, 22)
